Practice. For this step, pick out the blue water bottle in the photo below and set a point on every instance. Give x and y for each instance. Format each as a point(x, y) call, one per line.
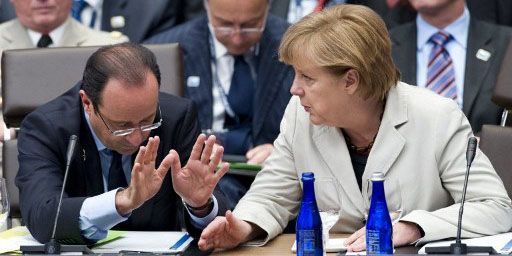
point(309, 224)
point(379, 231)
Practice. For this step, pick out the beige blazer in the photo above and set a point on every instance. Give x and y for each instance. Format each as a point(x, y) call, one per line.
point(420, 147)
point(14, 36)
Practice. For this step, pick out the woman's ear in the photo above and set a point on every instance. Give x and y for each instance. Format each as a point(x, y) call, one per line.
point(351, 78)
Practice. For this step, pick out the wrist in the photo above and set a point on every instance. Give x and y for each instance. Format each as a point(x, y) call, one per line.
point(124, 205)
point(202, 210)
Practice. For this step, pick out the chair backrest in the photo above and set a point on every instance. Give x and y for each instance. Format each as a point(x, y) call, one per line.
point(10, 169)
point(32, 77)
point(496, 143)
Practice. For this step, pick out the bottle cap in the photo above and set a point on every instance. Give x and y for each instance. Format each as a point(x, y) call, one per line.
point(377, 176)
point(308, 176)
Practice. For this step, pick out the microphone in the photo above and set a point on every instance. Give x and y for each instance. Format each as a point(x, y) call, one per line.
point(54, 247)
point(458, 247)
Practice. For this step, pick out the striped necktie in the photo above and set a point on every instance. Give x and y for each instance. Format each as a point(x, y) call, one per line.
point(440, 69)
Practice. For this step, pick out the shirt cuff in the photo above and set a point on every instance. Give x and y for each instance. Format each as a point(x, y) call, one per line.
point(99, 214)
point(201, 223)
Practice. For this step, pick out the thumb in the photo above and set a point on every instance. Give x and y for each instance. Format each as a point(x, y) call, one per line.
point(165, 165)
point(174, 162)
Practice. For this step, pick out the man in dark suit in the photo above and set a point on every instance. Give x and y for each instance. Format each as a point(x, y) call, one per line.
point(137, 19)
point(115, 111)
point(474, 50)
point(234, 76)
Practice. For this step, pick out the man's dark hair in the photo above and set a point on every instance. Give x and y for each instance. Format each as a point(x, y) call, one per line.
point(127, 62)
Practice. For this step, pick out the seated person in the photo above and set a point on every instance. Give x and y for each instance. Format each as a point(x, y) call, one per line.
point(125, 130)
point(350, 117)
point(233, 75)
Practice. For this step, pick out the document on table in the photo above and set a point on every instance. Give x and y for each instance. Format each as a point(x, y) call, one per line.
point(502, 243)
point(140, 241)
point(147, 241)
point(332, 245)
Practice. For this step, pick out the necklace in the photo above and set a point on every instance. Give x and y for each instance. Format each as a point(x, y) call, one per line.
point(364, 150)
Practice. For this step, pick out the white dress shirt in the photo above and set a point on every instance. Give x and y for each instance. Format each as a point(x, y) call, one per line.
point(457, 48)
point(56, 35)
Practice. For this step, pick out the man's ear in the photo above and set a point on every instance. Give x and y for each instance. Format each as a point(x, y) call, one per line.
point(351, 78)
point(86, 102)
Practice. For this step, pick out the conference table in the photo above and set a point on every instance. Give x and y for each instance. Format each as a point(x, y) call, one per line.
point(281, 245)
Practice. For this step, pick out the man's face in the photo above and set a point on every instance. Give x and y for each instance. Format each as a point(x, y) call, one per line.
point(238, 15)
point(42, 16)
point(431, 7)
point(122, 107)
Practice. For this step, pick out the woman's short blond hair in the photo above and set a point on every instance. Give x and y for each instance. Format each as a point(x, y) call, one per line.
point(341, 38)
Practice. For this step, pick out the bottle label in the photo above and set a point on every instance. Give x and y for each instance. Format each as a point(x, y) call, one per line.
point(378, 242)
point(309, 242)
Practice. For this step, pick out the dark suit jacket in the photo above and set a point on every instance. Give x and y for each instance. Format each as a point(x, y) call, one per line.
point(274, 78)
point(480, 76)
point(144, 20)
point(6, 11)
point(42, 145)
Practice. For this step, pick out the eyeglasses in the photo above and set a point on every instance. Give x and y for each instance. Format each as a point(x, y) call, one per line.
point(231, 30)
point(143, 128)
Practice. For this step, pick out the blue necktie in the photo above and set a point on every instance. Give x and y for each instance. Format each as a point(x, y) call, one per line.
point(440, 69)
point(242, 89)
point(77, 8)
point(116, 177)
point(241, 94)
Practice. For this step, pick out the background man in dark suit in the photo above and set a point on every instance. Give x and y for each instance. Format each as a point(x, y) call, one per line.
point(137, 19)
point(112, 180)
point(234, 77)
point(473, 52)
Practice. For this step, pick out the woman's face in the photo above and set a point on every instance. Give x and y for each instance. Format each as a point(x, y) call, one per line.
point(323, 95)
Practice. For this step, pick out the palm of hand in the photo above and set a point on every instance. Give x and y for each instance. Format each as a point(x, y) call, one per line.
point(195, 185)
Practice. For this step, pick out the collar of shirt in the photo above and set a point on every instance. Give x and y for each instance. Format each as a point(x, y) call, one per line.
point(99, 144)
point(56, 35)
point(95, 4)
point(458, 29)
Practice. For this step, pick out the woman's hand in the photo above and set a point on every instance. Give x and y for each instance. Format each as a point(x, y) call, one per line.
point(225, 232)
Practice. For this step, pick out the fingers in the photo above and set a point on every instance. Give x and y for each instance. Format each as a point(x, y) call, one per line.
point(357, 241)
point(216, 157)
point(140, 155)
point(259, 154)
point(175, 162)
point(152, 148)
point(208, 148)
point(209, 235)
point(197, 149)
point(224, 168)
point(166, 164)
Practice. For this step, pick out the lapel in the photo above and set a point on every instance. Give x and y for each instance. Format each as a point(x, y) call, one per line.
point(17, 36)
point(479, 37)
point(110, 9)
point(269, 79)
point(197, 61)
point(389, 142)
point(332, 147)
point(74, 33)
point(404, 51)
point(88, 159)
point(387, 147)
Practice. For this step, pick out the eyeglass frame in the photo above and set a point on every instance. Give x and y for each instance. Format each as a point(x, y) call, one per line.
point(142, 128)
point(229, 31)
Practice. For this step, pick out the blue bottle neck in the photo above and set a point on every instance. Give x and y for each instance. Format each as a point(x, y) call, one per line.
point(308, 191)
point(378, 194)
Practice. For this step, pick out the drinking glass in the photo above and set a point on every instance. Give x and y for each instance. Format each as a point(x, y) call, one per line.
point(328, 198)
point(4, 205)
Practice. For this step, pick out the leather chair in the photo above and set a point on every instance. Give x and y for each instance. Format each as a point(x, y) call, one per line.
point(32, 77)
point(496, 141)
